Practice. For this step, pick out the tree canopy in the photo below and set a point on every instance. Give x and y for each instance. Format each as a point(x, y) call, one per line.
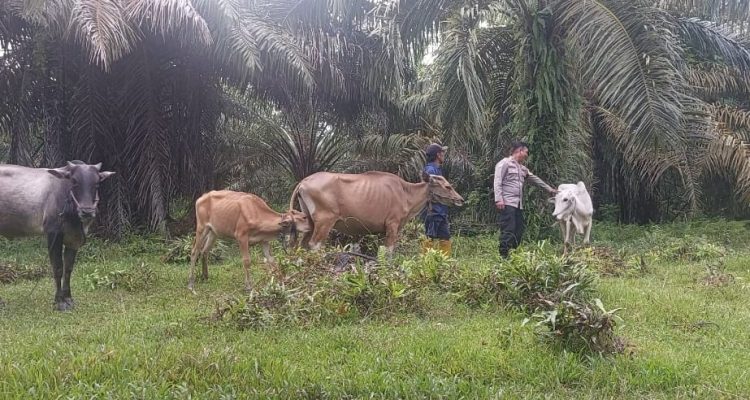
point(645, 101)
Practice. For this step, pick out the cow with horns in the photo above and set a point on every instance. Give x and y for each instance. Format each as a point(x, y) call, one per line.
point(60, 203)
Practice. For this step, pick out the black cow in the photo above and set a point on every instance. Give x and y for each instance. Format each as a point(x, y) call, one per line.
point(60, 203)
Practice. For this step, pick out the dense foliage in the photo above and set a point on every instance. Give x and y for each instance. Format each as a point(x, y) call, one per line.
point(646, 102)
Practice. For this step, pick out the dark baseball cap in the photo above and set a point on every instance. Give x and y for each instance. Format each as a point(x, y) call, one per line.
point(435, 148)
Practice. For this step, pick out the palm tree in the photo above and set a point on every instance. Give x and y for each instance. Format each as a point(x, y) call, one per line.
point(621, 94)
point(644, 100)
point(144, 85)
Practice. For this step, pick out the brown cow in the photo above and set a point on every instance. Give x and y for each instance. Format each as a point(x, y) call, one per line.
point(372, 202)
point(244, 217)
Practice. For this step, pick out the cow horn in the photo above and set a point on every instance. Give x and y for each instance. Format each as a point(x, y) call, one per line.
point(71, 165)
point(98, 166)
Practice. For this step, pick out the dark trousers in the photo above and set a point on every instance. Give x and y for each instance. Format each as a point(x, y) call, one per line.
point(437, 227)
point(512, 226)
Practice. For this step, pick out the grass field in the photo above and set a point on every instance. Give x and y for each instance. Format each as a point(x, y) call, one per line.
point(683, 290)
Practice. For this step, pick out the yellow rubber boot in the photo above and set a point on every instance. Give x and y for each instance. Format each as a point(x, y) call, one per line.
point(445, 247)
point(427, 244)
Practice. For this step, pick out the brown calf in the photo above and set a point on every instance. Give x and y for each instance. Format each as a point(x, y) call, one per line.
point(244, 217)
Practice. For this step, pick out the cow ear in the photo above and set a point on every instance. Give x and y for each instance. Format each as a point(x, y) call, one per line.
point(551, 200)
point(104, 175)
point(425, 177)
point(61, 173)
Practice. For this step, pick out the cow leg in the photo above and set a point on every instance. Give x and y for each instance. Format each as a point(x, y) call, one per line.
point(268, 257)
point(320, 233)
point(269, 260)
point(305, 243)
point(200, 239)
point(210, 240)
point(587, 234)
point(54, 249)
point(563, 236)
point(391, 237)
point(570, 236)
point(245, 251)
point(69, 259)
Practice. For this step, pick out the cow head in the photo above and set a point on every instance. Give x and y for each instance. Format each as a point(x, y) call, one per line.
point(442, 192)
point(296, 219)
point(84, 190)
point(565, 204)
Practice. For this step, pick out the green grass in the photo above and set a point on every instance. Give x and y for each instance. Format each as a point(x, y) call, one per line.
point(685, 338)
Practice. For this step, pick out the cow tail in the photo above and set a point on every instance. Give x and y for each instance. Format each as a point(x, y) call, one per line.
point(295, 193)
point(293, 233)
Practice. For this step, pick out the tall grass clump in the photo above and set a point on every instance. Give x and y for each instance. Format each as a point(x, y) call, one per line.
point(539, 276)
point(557, 292)
point(580, 326)
point(314, 288)
point(137, 278)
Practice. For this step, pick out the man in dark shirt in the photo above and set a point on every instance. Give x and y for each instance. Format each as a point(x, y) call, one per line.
point(436, 223)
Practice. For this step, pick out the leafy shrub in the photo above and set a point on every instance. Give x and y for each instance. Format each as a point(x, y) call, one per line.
point(717, 275)
point(477, 287)
point(311, 289)
point(10, 273)
point(137, 278)
point(608, 262)
point(382, 291)
point(688, 248)
point(273, 304)
point(581, 326)
point(609, 212)
point(539, 276)
point(428, 268)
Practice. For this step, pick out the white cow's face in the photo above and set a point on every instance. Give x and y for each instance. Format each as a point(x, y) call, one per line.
point(565, 204)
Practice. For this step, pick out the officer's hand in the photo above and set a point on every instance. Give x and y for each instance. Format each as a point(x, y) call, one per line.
point(499, 204)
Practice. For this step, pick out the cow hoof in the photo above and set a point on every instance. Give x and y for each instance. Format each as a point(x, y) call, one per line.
point(248, 289)
point(66, 305)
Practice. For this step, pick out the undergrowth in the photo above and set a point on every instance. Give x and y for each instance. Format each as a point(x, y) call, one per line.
point(139, 277)
point(311, 289)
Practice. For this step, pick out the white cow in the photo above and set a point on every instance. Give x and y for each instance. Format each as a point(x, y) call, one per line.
point(573, 209)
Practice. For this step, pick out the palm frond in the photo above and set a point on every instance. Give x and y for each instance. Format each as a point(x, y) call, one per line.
point(642, 169)
point(463, 74)
point(713, 42)
point(729, 157)
point(146, 138)
point(732, 119)
point(101, 26)
point(52, 14)
point(399, 153)
point(712, 81)
point(171, 18)
point(734, 13)
point(91, 117)
point(251, 43)
point(302, 146)
point(630, 66)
